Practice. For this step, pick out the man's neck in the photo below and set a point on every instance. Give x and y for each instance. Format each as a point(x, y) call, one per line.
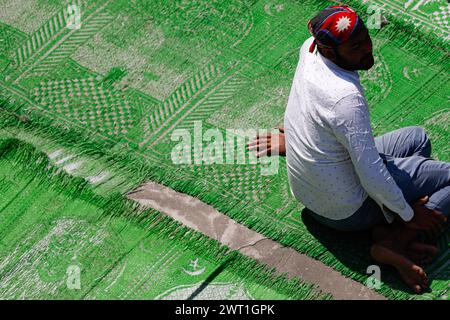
point(333, 65)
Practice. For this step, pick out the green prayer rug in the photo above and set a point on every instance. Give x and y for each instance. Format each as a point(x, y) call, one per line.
point(104, 96)
point(61, 240)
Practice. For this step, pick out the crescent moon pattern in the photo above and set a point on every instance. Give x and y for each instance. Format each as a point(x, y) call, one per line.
point(194, 273)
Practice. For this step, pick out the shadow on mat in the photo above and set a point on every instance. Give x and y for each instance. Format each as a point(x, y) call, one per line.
point(352, 250)
point(210, 278)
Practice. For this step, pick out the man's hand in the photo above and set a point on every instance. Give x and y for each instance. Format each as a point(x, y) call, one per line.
point(427, 220)
point(269, 144)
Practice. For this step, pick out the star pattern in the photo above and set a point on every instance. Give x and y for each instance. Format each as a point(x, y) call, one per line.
point(342, 24)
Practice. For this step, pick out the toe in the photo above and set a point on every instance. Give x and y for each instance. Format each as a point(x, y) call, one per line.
point(417, 288)
point(424, 277)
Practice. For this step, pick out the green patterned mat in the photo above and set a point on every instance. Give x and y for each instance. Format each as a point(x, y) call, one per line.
point(117, 88)
point(60, 240)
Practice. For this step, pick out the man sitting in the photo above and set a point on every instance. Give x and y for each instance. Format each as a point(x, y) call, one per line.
point(347, 179)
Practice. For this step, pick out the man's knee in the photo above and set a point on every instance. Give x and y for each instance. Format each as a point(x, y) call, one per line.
point(421, 139)
point(418, 132)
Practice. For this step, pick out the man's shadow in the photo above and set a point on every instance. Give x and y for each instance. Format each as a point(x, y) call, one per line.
point(352, 249)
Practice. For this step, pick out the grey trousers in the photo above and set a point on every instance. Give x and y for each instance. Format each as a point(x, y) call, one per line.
point(406, 153)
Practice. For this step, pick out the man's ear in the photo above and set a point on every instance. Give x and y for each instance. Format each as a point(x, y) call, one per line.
point(328, 53)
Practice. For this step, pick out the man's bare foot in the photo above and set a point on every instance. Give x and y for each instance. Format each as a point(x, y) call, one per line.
point(413, 275)
point(406, 242)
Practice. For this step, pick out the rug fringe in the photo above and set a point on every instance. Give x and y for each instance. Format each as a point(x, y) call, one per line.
point(35, 165)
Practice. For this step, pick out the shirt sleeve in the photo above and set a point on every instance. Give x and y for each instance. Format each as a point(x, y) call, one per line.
point(350, 123)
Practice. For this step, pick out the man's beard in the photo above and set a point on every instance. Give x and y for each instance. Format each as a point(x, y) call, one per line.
point(364, 64)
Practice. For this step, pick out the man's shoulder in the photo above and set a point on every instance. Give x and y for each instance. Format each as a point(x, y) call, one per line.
point(324, 84)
